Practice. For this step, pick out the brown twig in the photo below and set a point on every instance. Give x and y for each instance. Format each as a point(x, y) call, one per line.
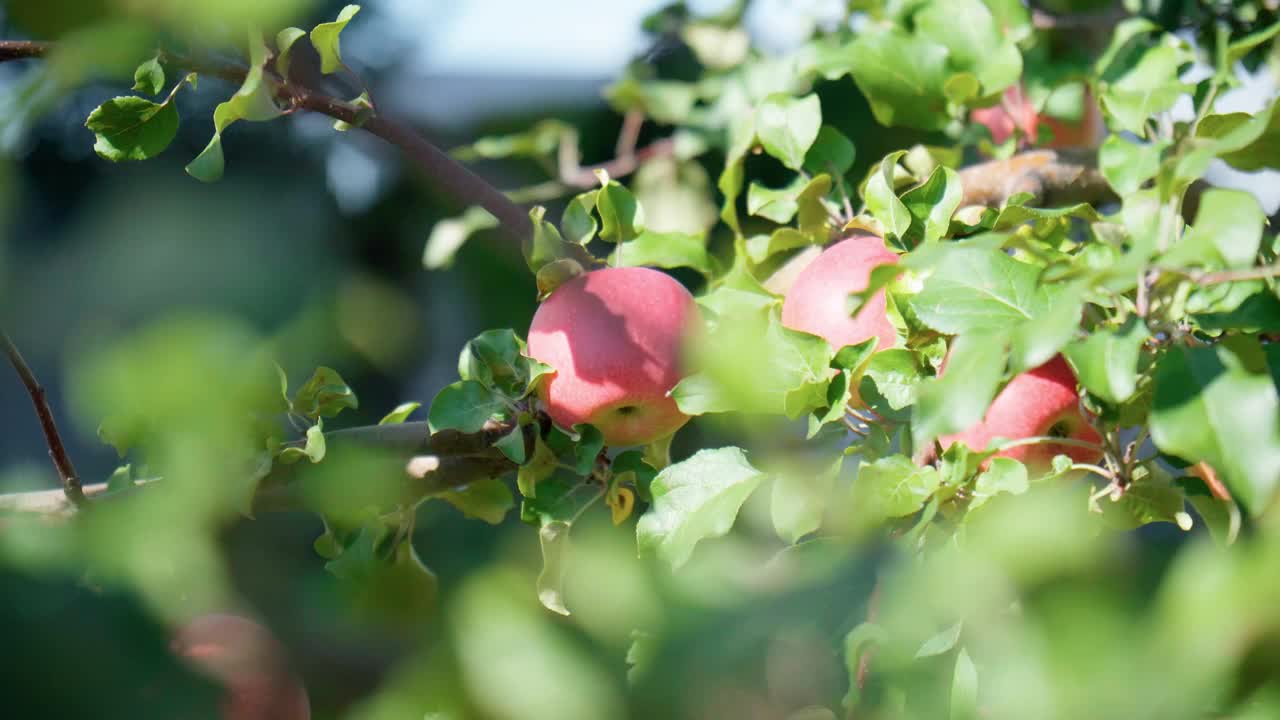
point(1054, 178)
point(578, 176)
point(57, 451)
point(1222, 276)
point(453, 177)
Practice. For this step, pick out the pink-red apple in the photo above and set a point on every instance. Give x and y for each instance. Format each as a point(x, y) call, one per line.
point(614, 338)
point(1014, 111)
point(818, 300)
point(1017, 111)
point(244, 657)
point(1041, 402)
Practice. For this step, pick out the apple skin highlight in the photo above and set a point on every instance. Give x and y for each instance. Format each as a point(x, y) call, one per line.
point(614, 338)
point(817, 302)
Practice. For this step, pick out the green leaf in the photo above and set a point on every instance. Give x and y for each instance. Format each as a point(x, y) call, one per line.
point(496, 359)
point(1011, 216)
point(1239, 48)
point(693, 500)
point(664, 101)
point(932, 203)
point(961, 396)
point(749, 362)
point(1150, 498)
point(831, 153)
point(1036, 341)
point(964, 688)
point(761, 247)
point(778, 205)
point(284, 44)
point(941, 643)
point(487, 500)
point(132, 128)
point(1003, 475)
point(893, 487)
point(1107, 361)
point(1209, 406)
point(395, 588)
point(448, 235)
point(902, 76)
point(545, 250)
point(976, 289)
point(513, 445)
point(553, 538)
point(1150, 86)
point(325, 394)
point(120, 479)
point(666, 250)
point(578, 223)
point(788, 126)
point(896, 376)
point(799, 498)
point(400, 413)
point(975, 43)
point(254, 101)
point(314, 449)
point(149, 77)
point(882, 199)
point(325, 37)
point(621, 217)
point(1231, 221)
point(464, 406)
point(1245, 142)
point(1128, 165)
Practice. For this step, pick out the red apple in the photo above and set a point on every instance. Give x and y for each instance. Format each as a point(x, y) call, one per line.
point(244, 657)
point(818, 300)
point(614, 338)
point(1041, 402)
point(1014, 111)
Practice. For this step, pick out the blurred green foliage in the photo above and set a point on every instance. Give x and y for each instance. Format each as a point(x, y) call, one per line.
point(215, 336)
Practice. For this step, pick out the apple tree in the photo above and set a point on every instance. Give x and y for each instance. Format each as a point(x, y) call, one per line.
point(924, 367)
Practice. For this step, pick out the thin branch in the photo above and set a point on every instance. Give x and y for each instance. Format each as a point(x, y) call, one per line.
point(22, 49)
point(453, 177)
point(1054, 177)
point(583, 177)
point(629, 135)
point(430, 464)
point(57, 451)
point(1103, 19)
point(1222, 276)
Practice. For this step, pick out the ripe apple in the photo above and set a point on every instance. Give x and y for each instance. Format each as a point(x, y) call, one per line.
point(1016, 110)
point(1041, 402)
point(614, 338)
point(817, 302)
point(244, 657)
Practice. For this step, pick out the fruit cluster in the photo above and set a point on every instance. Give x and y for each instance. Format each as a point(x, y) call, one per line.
point(614, 339)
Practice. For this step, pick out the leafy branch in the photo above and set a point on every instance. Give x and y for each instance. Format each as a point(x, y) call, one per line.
point(453, 177)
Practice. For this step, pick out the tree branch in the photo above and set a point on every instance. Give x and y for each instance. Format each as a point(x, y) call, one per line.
point(57, 451)
point(430, 463)
point(1055, 178)
point(453, 177)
